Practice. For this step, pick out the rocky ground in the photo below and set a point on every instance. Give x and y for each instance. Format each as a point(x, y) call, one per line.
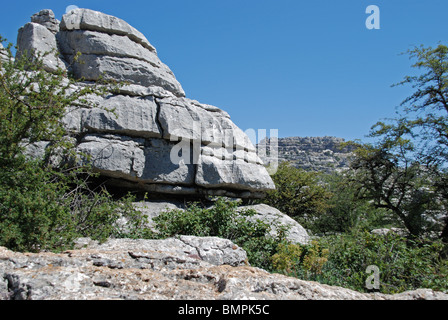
point(184, 268)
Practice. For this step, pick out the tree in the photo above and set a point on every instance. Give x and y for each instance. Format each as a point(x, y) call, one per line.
point(404, 170)
point(390, 181)
point(299, 193)
point(43, 206)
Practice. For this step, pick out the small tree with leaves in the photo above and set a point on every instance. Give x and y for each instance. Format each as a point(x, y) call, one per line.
point(43, 206)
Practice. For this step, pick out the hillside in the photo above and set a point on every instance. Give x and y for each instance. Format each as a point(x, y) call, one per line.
point(311, 153)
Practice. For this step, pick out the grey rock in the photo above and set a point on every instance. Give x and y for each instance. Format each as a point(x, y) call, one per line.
point(135, 159)
point(232, 174)
point(35, 38)
point(134, 62)
point(146, 135)
point(115, 157)
point(85, 19)
point(95, 43)
point(187, 119)
point(276, 219)
point(135, 71)
point(323, 154)
point(3, 53)
point(47, 19)
point(385, 231)
point(124, 115)
point(184, 268)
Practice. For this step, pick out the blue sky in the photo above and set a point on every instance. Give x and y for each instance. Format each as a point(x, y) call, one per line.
point(306, 68)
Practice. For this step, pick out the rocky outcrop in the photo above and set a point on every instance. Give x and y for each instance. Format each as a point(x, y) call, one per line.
point(155, 140)
point(185, 268)
point(323, 154)
point(3, 54)
point(269, 215)
point(276, 219)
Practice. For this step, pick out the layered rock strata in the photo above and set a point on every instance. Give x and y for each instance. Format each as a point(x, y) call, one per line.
point(155, 139)
point(325, 154)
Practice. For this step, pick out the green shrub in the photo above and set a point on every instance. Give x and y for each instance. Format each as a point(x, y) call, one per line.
point(43, 207)
point(223, 220)
point(404, 264)
point(302, 261)
point(41, 210)
point(299, 194)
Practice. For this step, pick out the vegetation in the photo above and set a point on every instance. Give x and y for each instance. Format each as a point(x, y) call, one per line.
point(224, 220)
point(298, 194)
point(399, 180)
point(46, 203)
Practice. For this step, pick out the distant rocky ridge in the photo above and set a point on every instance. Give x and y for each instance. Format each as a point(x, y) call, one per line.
point(323, 154)
point(153, 122)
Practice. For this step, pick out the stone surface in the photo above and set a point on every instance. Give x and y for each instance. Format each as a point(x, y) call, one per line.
point(232, 174)
point(273, 217)
point(276, 219)
point(185, 268)
point(146, 135)
point(34, 37)
point(85, 19)
point(47, 19)
point(130, 116)
point(3, 54)
point(112, 49)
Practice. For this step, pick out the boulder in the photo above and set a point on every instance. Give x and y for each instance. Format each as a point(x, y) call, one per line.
point(112, 49)
point(85, 19)
point(276, 219)
point(34, 38)
point(146, 135)
point(267, 214)
point(47, 19)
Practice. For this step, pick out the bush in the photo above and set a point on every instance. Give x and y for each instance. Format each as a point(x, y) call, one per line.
point(299, 194)
point(43, 207)
point(224, 221)
point(346, 213)
point(40, 210)
point(302, 261)
point(404, 264)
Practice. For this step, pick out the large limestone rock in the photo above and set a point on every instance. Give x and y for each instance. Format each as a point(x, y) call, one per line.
point(3, 54)
point(276, 219)
point(39, 37)
point(112, 49)
point(267, 214)
point(184, 268)
point(146, 136)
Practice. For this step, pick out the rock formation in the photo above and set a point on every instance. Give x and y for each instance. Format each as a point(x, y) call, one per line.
point(156, 139)
point(3, 54)
point(269, 215)
point(311, 153)
point(184, 268)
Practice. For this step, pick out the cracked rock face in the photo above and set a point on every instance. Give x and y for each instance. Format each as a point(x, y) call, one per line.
point(155, 139)
point(185, 268)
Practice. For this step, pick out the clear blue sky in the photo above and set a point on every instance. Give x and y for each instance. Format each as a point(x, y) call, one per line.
point(306, 68)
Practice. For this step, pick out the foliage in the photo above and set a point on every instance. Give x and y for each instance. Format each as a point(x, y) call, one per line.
point(299, 193)
point(394, 182)
point(404, 170)
point(43, 207)
point(404, 264)
point(225, 221)
point(346, 212)
point(301, 261)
